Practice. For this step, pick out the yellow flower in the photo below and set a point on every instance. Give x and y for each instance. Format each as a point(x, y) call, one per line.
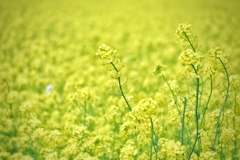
point(188, 57)
point(106, 53)
point(159, 70)
point(227, 135)
point(215, 53)
point(145, 109)
point(182, 31)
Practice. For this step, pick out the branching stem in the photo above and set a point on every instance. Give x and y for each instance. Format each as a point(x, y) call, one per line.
point(194, 50)
point(196, 100)
point(173, 95)
point(120, 87)
point(209, 97)
point(196, 118)
point(152, 140)
point(223, 105)
point(183, 119)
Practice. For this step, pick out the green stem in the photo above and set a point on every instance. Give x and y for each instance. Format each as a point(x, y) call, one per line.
point(85, 113)
point(136, 143)
point(114, 137)
point(173, 95)
point(209, 97)
point(120, 87)
point(13, 120)
point(234, 125)
point(183, 119)
point(223, 105)
point(194, 50)
point(235, 110)
point(152, 140)
point(9, 89)
point(121, 90)
point(197, 99)
point(196, 114)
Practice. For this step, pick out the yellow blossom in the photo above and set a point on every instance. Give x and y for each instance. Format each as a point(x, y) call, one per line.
point(106, 53)
point(182, 31)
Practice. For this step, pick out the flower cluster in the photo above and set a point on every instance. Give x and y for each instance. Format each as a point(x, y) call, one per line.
point(215, 53)
point(80, 97)
point(189, 57)
point(209, 68)
point(145, 109)
point(171, 149)
point(159, 69)
point(227, 135)
point(113, 114)
point(183, 31)
point(128, 151)
point(106, 53)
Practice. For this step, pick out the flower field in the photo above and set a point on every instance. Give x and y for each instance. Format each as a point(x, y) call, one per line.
point(125, 79)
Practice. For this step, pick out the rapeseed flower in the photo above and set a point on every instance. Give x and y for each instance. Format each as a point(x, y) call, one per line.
point(183, 31)
point(189, 57)
point(106, 53)
point(159, 70)
point(145, 109)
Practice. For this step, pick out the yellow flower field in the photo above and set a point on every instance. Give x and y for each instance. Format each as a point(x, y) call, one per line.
point(125, 79)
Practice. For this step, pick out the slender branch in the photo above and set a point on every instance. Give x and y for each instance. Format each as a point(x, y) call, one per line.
point(194, 50)
point(136, 143)
point(152, 141)
point(9, 89)
point(85, 113)
point(195, 70)
point(120, 87)
point(235, 152)
point(209, 97)
point(173, 95)
point(183, 119)
point(223, 105)
point(114, 137)
point(196, 116)
point(196, 100)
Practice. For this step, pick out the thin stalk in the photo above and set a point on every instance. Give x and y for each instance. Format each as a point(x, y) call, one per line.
point(120, 87)
point(9, 89)
point(223, 105)
point(12, 117)
point(85, 113)
point(196, 112)
point(209, 97)
point(235, 111)
point(152, 140)
point(183, 119)
point(194, 50)
point(234, 125)
point(196, 101)
point(173, 95)
point(121, 90)
point(114, 137)
point(136, 143)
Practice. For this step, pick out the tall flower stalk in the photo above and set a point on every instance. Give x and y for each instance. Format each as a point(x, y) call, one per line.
point(190, 58)
point(218, 125)
point(107, 55)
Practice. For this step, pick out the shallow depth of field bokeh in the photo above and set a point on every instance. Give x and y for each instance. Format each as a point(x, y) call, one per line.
point(57, 100)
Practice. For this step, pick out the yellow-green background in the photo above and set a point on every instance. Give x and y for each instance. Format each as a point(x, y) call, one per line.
point(61, 37)
point(54, 42)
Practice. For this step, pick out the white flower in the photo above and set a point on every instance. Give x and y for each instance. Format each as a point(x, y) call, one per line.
point(49, 89)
